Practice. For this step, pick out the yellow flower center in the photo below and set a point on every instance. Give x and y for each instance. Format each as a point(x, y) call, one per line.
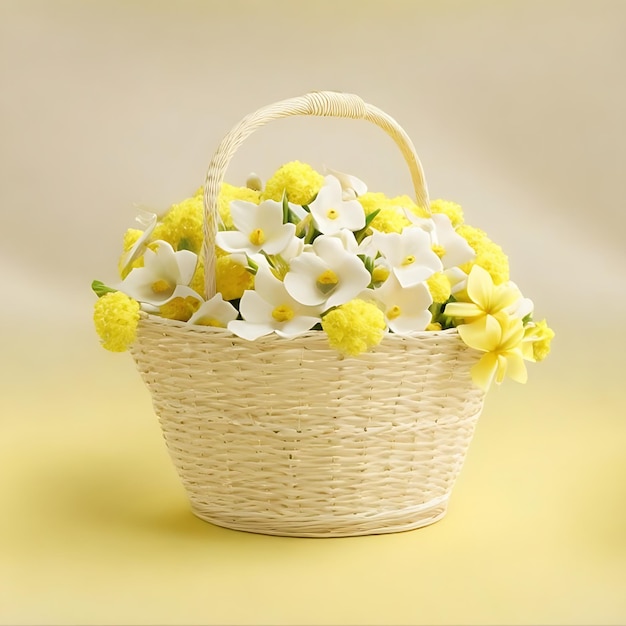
point(257, 237)
point(210, 321)
point(408, 260)
point(394, 312)
point(283, 313)
point(332, 214)
point(380, 274)
point(440, 251)
point(161, 286)
point(327, 281)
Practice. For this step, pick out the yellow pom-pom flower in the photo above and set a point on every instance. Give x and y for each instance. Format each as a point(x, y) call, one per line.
point(391, 217)
point(489, 255)
point(439, 287)
point(405, 202)
point(116, 316)
point(354, 327)
point(390, 220)
point(182, 225)
point(299, 181)
point(180, 308)
point(372, 200)
point(197, 280)
point(131, 236)
point(232, 278)
point(451, 209)
point(537, 339)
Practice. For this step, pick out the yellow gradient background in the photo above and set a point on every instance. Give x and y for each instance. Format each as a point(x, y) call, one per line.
point(517, 110)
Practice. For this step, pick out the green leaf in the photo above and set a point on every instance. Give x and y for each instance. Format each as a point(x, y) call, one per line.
point(100, 289)
point(370, 218)
point(312, 234)
point(185, 244)
point(252, 266)
point(360, 234)
point(367, 261)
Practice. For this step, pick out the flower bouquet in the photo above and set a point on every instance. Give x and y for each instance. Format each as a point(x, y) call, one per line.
point(318, 353)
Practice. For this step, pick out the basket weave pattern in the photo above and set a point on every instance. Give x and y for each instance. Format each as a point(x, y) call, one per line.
point(290, 438)
point(287, 437)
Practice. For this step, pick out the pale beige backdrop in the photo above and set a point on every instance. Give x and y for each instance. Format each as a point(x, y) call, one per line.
point(517, 111)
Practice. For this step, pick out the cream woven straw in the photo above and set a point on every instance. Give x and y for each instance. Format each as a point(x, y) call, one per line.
point(288, 437)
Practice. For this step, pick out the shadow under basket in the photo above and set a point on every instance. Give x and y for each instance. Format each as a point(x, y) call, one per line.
point(287, 437)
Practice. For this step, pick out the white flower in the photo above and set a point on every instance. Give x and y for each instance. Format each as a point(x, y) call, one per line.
point(165, 275)
point(331, 212)
point(351, 186)
point(348, 240)
point(328, 274)
point(214, 312)
point(406, 308)
point(522, 307)
point(453, 250)
point(457, 278)
point(269, 308)
point(294, 248)
point(409, 255)
point(259, 227)
point(148, 221)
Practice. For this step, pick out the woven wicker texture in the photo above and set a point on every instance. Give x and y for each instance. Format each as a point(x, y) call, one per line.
point(287, 437)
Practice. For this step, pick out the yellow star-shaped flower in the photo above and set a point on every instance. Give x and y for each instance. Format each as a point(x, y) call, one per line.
point(500, 338)
point(485, 298)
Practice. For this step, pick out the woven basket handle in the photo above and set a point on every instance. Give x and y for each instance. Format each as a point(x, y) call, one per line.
point(319, 103)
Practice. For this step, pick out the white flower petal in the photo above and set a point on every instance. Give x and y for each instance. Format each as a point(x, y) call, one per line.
point(163, 262)
point(138, 285)
point(301, 279)
point(244, 215)
point(409, 254)
point(262, 223)
point(457, 278)
point(415, 273)
point(348, 183)
point(407, 324)
point(345, 213)
point(182, 291)
point(297, 326)
point(280, 239)
point(249, 331)
point(348, 240)
point(457, 250)
point(186, 261)
point(233, 241)
point(408, 305)
point(268, 287)
point(215, 308)
point(254, 308)
point(149, 221)
point(353, 278)
point(294, 248)
point(164, 276)
point(521, 308)
point(327, 255)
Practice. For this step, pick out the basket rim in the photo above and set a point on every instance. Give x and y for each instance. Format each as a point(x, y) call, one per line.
point(147, 318)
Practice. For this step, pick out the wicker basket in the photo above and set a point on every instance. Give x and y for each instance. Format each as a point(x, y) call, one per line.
point(288, 437)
